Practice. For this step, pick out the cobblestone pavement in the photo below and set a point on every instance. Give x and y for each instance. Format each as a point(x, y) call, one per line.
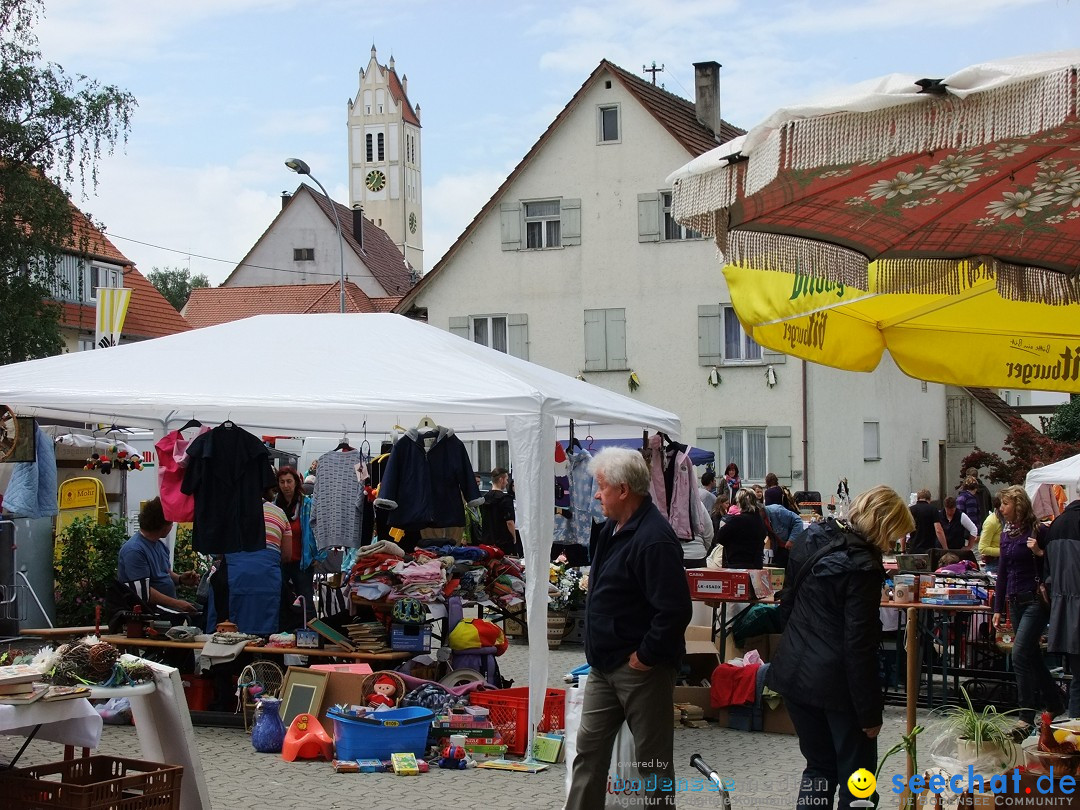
point(765, 767)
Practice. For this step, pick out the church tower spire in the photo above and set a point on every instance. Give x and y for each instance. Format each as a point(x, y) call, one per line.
point(384, 157)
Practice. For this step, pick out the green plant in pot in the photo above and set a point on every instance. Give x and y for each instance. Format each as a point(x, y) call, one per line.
point(980, 735)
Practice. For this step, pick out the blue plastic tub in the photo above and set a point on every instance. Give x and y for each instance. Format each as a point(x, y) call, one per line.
point(378, 735)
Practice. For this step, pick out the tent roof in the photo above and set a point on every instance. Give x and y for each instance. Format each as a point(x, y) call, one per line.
point(380, 369)
point(1065, 472)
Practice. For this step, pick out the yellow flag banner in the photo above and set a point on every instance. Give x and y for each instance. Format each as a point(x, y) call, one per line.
point(972, 337)
point(112, 307)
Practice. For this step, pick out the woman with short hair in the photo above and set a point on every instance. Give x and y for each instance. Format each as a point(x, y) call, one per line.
point(826, 666)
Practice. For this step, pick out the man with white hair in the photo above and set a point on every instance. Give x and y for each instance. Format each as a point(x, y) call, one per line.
point(636, 617)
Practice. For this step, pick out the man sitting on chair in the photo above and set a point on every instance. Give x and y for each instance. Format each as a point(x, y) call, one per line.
point(145, 556)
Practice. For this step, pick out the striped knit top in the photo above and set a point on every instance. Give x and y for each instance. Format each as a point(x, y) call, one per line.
point(277, 526)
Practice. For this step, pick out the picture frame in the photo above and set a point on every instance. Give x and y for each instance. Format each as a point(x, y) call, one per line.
point(302, 693)
point(331, 635)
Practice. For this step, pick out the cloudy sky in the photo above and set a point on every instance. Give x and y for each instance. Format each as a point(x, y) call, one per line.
point(228, 89)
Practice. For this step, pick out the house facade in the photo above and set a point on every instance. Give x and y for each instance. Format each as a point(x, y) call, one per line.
point(576, 264)
point(301, 247)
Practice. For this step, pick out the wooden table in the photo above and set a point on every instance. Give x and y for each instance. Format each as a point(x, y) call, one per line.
point(57, 633)
point(326, 652)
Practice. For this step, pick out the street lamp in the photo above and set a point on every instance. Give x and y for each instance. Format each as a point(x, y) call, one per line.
point(298, 166)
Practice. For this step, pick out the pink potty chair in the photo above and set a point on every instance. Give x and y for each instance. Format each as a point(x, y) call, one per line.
point(307, 739)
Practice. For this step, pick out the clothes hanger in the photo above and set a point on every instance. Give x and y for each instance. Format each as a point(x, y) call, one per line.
point(589, 439)
point(427, 424)
point(190, 423)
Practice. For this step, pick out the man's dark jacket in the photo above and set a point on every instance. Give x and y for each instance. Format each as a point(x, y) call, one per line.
point(828, 654)
point(639, 599)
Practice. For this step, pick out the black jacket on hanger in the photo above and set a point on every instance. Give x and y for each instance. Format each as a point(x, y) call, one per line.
point(228, 470)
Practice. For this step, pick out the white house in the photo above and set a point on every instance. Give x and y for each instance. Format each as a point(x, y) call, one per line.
point(576, 264)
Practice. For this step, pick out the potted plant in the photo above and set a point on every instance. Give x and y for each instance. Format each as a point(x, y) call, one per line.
point(978, 737)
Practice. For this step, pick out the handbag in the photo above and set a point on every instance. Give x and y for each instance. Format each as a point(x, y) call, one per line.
point(1042, 590)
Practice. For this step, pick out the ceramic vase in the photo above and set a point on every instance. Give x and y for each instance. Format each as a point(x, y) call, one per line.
point(556, 629)
point(268, 732)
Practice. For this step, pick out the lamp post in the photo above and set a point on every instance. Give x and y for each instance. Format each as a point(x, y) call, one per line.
point(300, 167)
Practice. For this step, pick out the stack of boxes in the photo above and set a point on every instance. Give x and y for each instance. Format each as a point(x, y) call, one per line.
point(482, 740)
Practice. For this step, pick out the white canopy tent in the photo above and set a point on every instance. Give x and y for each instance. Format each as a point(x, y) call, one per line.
point(1065, 472)
point(378, 370)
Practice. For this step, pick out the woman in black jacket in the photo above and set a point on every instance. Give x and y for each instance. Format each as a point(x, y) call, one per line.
point(826, 667)
point(743, 536)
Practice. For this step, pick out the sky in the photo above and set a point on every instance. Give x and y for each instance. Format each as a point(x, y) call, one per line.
point(227, 90)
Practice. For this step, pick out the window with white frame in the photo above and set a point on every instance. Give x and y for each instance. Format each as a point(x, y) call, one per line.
point(542, 225)
point(739, 347)
point(605, 340)
point(303, 254)
point(747, 448)
point(85, 344)
point(101, 277)
point(672, 230)
point(490, 331)
point(871, 441)
point(607, 123)
point(370, 150)
point(925, 449)
point(491, 453)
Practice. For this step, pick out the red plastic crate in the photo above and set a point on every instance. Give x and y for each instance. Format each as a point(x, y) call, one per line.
point(509, 713)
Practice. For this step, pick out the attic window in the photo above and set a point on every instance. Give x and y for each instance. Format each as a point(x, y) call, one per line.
point(607, 84)
point(303, 254)
point(607, 124)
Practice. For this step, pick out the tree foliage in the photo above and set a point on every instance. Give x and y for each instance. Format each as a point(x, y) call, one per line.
point(1025, 446)
point(1064, 425)
point(54, 129)
point(176, 284)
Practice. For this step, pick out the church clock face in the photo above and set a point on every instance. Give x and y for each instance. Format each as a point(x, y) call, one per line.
point(375, 180)
point(412, 223)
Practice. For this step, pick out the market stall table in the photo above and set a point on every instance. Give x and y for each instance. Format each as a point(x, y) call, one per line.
point(325, 652)
point(69, 722)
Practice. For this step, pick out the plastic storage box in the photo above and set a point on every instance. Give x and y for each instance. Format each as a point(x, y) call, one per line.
point(380, 734)
point(509, 713)
point(93, 783)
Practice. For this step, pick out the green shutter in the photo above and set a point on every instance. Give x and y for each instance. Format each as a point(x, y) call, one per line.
point(460, 326)
point(615, 332)
point(595, 340)
point(648, 217)
point(778, 452)
point(517, 327)
point(710, 335)
point(510, 224)
point(570, 226)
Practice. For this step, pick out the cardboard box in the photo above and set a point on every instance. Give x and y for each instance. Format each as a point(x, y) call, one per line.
point(776, 721)
point(729, 583)
point(341, 687)
point(700, 661)
point(765, 645)
point(410, 637)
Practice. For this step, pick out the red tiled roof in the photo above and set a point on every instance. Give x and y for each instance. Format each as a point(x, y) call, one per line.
point(386, 304)
point(149, 313)
point(677, 115)
point(209, 306)
point(397, 90)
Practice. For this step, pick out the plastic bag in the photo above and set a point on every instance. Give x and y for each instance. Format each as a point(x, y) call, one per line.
point(622, 753)
point(115, 711)
point(944, 753)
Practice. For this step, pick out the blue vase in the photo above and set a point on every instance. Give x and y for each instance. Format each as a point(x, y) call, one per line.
point(268, 732)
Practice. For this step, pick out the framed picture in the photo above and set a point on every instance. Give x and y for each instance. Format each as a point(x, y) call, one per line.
point(302, 692)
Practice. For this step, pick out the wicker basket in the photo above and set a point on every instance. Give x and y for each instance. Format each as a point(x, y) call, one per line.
point(94, 783)
point(367, 686)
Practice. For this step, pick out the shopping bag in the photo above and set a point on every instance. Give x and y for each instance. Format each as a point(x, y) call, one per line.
point(622, 753)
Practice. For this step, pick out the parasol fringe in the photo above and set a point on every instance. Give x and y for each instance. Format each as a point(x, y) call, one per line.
point(1036, 284)
point(792, 254)
point(764, 165)
point(695, 199)
point(929, 123)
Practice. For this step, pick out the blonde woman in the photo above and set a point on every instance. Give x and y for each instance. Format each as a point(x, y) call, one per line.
point(827, 666)
point(1019, 573)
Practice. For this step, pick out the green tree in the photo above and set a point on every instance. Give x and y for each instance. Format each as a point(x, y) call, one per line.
point(54, 129)
point(1064, 425)
point(176, 284)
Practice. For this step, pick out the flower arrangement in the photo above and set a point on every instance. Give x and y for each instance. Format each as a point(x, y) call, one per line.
point(567, 586)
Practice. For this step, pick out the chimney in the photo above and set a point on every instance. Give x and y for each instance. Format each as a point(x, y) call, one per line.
point(285, 197)
point(707, 94)
point(358, 225)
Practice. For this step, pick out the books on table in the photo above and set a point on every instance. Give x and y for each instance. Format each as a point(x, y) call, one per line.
point(19, 673)
point(33, 692)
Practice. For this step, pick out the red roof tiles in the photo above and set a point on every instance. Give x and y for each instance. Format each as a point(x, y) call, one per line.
point(213, 305)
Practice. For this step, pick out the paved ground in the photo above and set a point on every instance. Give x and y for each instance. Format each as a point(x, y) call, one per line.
point(765, 767)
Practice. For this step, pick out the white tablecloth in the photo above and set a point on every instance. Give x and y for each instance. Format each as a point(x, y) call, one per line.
point(70, 722)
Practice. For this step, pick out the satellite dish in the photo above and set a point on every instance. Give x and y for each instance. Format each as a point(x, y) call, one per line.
point(9, 432)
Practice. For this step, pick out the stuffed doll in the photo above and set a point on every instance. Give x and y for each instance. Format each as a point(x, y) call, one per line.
point(383, 692)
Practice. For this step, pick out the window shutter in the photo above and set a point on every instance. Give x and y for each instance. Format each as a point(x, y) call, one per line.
point(518, 338)
point(616, 338)
point(570, 214)
point(460, 327)
point(710, 335)
point(648, 217)
point(510, 222)
point(778, 452)
point(595, 340)
point(772, 358)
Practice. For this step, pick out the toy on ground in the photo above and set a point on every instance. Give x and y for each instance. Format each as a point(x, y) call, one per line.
point(306, 739)
point(383, 692)
point(456, 758)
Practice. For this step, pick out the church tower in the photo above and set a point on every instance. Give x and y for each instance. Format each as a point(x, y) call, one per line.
point(384, 158)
